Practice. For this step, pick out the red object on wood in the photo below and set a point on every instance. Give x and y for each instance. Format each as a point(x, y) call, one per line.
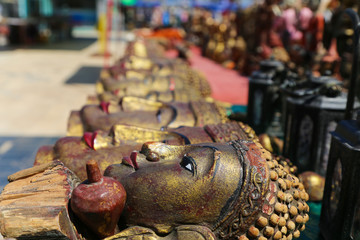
point(99, 201)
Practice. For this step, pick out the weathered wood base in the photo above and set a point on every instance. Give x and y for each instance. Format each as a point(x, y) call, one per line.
point(34, 205)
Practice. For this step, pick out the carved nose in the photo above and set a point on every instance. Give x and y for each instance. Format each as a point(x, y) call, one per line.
point(153, 157)
point(149, 150)
point(154, 151)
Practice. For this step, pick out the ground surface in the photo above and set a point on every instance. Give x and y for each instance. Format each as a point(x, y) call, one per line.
point(40, 85)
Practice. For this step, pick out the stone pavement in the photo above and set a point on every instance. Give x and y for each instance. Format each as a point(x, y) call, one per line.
point(40, 85)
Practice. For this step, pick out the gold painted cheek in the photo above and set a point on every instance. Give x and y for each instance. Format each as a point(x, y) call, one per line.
point(175, 198)
point(154, 209)
point(168, 194)
point(227, 178)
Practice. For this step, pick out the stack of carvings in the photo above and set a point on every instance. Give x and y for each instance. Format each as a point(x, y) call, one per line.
point(186, 171)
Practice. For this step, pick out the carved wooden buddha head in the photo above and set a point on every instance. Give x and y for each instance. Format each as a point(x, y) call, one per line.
point(235, 189)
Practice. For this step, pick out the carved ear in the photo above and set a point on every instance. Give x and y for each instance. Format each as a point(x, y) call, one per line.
point(194, 232)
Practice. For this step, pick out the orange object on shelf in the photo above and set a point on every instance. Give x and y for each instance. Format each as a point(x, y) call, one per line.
point(169, 33)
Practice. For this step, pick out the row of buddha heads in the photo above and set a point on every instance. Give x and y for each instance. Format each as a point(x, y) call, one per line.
point(182, 170)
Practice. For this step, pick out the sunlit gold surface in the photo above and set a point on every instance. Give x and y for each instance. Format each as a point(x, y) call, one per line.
point(140, 49)
point(75, 126)
point(266, 142)
point(138, 63)
point(124, 134)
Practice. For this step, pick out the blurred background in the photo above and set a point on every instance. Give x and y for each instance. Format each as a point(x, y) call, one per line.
point(32, 21)
point(282, 66)
point(51, 55)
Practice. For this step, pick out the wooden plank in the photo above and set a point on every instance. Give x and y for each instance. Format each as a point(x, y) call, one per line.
point(35, 204)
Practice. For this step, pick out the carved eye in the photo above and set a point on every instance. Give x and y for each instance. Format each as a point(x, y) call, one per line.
point(188, 163)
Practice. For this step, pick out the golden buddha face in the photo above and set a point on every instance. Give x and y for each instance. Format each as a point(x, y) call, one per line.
point(169, 185)
point(235, 189)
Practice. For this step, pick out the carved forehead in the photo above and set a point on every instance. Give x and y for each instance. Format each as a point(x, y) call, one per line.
point(215, 154)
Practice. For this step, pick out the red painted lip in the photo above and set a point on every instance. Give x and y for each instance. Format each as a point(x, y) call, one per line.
point(89, 138)
point(105, 106)
point(127, 161)
point(133, 157)
point(131, 161)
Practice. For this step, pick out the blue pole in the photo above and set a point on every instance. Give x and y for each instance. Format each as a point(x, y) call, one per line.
point(23, 8)
point(46, 7)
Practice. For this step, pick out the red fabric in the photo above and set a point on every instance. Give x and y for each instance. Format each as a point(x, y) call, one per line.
point(172, 53)
point(226, 85)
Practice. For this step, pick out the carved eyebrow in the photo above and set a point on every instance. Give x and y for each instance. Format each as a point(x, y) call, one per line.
point(213, 169)
point(211, 147)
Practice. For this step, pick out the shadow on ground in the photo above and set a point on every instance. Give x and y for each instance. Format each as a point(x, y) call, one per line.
point(7, 48)
point(75, 44)
point(85, 75)
point(17, 153)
